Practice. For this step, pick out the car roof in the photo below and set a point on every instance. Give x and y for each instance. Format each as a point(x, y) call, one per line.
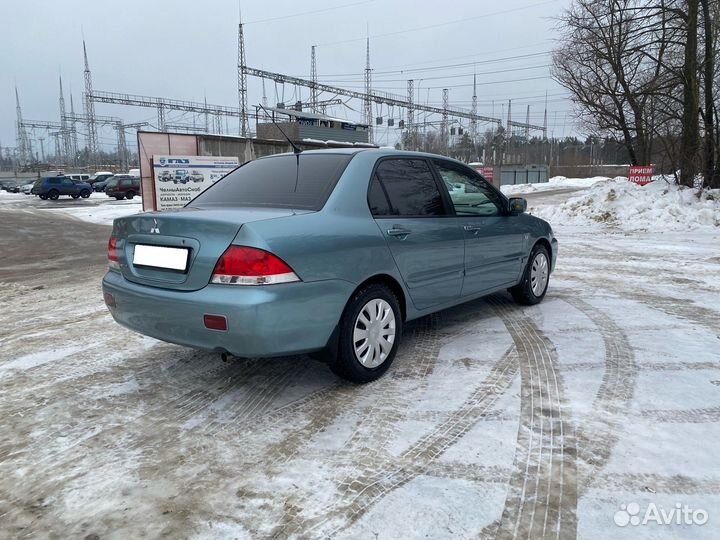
point(379, 152)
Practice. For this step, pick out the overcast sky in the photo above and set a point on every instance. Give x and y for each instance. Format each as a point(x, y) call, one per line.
point(187, 50)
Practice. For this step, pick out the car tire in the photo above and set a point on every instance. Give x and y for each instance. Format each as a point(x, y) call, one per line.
point(536, 277)
point(43, 197)
point(76, 196)
point(119, 197)
point(84, 193)
point(360, 362)
point(129, 195)
point(53, 195)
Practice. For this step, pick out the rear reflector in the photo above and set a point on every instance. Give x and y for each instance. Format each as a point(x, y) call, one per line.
point(113, 261)
point(109, 299)
point(215, 322)
point(242, 265)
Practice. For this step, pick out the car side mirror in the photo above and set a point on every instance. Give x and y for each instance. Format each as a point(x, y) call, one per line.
point(518, 205)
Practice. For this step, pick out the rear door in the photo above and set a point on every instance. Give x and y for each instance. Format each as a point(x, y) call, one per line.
point(426, 243)
point(494, 239)
point(67, 186)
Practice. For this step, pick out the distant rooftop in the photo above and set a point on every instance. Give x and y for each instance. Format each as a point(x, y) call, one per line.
point(310, 115)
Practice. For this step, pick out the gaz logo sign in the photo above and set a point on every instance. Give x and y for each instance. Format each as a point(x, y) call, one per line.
point(641, 175)
point(166, 162)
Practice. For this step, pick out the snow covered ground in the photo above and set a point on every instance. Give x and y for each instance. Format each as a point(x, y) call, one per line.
point(98, 208)
point(567, 419)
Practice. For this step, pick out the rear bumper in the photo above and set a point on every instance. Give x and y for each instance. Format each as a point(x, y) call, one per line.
point(554, 246)
point(274, 320)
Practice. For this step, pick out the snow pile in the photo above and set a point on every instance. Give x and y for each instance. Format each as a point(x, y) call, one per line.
point(656, 206)
point(554, 183)
point(104, 214)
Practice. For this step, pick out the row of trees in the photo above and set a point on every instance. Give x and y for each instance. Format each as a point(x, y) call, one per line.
point(644, 72)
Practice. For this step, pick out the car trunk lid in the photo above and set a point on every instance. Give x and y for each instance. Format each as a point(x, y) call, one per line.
point(195, 237)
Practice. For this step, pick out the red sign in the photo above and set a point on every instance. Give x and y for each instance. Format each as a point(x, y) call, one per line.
point(488, 173)
point(641, 175)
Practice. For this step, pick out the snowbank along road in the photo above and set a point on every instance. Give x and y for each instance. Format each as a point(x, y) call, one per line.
point(495, 421)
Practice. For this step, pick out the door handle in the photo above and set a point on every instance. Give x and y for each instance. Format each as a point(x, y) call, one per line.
point(472, 228)
point(398, 231)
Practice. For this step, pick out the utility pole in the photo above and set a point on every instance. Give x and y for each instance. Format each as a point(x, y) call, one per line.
point(92, 139)
point(314, 77)
point(368, 91)
point(42, 148)
point(242, 83)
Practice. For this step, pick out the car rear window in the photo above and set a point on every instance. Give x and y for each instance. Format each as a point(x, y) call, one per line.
point(302, 181)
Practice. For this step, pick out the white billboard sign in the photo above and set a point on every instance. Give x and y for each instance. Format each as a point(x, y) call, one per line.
point(179, 179)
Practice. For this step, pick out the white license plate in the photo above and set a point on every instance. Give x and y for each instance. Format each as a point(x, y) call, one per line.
point(161, 257)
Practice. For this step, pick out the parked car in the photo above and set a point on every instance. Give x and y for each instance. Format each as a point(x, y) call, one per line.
point(27, 188)
point(79, 176)
point(53, 187)
point(100, 185)
point(122, 186)
point(327, 251)
point(98, 177)
point(12, 188)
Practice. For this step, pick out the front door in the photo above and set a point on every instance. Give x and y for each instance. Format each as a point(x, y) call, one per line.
point(494, 239)
point(425, 241)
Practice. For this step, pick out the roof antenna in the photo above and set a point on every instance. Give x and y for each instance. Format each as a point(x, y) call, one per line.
point(296, 148)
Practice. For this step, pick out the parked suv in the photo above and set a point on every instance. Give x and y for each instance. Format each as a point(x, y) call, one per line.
point(121, 186)
point(53, 186)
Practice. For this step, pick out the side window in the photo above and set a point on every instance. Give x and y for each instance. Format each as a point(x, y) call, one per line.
point(410, 187)
point(470, 195)
point(53, 180)
point(67, 182)
point(378, 201)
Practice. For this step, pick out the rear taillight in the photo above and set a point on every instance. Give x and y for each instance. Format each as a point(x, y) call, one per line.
point(113, 261)
point(242, 265)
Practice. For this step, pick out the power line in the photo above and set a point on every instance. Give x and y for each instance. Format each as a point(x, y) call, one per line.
point(438, 25)
point(303, 13)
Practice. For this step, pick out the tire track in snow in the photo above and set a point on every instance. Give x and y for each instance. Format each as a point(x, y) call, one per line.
point(377, 477)
point(598, 435)
point(542, 496)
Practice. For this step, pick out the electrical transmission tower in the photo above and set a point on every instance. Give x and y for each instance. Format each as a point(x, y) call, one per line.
point(313, 75)
point(473, 110)
point(66, 135)
point(73, 131)
point(242, 83)
point(22, 141)
point(444, 128)
point(411, 114)
point(368, 92)
point(525, 126)
point(92, 138)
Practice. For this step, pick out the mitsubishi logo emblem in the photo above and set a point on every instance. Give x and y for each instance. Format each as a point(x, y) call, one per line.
point(155, 229)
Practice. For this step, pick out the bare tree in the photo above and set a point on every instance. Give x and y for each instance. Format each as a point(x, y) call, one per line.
point(612, 57)
point(690, 137)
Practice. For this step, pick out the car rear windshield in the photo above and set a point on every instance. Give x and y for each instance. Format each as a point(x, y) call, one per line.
point(302, 181)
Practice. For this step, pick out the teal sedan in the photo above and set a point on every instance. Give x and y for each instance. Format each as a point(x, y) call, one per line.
point(327, 251)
